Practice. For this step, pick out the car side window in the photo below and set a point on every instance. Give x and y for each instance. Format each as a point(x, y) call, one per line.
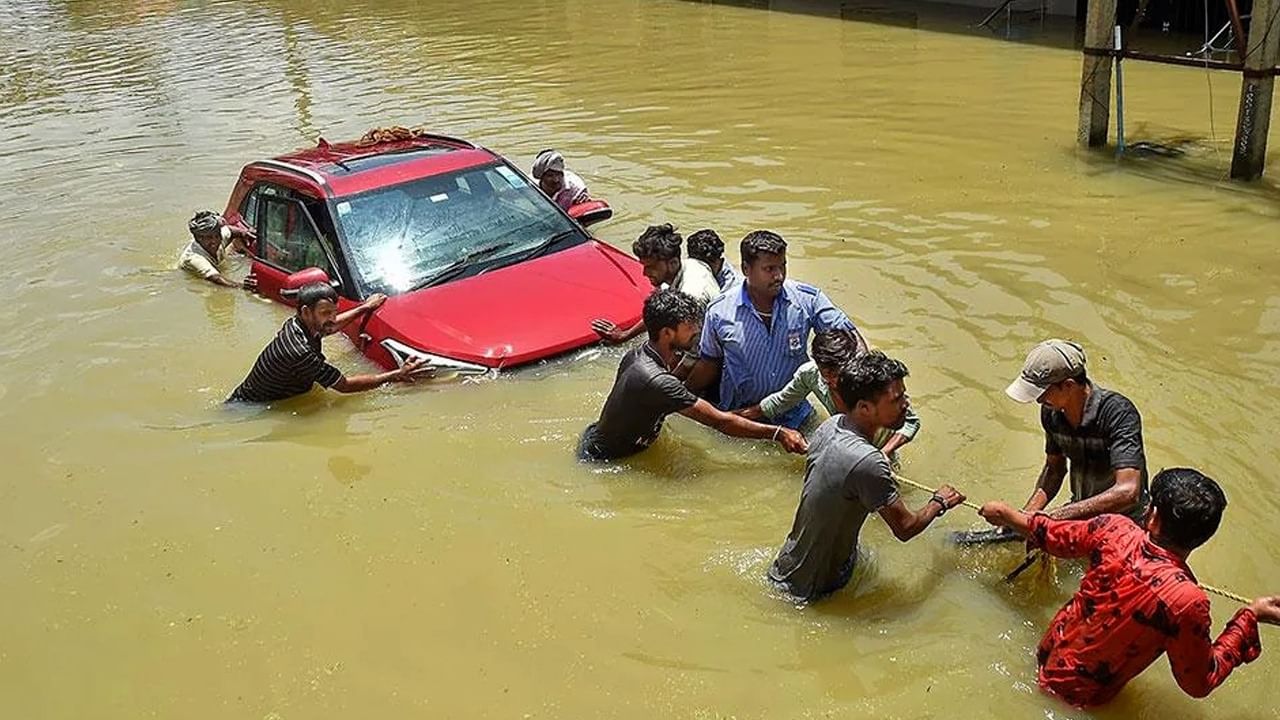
point(288, 237)
point(249, 206)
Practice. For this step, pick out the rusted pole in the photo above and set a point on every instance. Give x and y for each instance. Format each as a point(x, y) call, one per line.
point(1095, 82)
point(1249, 153)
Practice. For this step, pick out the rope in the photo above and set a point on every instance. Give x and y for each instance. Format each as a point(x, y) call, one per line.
point(1204, 586)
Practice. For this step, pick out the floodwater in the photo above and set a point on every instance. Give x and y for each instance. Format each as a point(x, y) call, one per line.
point(435, 551)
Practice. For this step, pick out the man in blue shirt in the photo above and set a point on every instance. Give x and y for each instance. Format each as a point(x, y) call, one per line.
point(757, 334)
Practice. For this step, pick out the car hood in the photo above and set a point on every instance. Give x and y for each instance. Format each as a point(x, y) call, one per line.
point(520, 313)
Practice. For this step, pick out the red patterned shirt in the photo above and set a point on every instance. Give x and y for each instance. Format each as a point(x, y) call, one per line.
point(1136, 602)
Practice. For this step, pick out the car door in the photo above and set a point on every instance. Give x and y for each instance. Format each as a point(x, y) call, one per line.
point(288, 241)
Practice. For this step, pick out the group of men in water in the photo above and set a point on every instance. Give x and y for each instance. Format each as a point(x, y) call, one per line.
point(1137, 600)
point(730, 351)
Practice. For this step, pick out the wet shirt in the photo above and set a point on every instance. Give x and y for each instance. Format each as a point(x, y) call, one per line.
point(759, 359)
point(1109, 438)
point(573, 192)
point(846, 479)
point(289, 366)
point(644, 393)
point(1136, 602)
point(197, 261)
point(696, 280)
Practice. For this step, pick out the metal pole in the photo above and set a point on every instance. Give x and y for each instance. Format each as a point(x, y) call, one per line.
point(1119, 95)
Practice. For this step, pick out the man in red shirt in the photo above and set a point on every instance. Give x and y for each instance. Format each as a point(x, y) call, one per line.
point(1138, 599)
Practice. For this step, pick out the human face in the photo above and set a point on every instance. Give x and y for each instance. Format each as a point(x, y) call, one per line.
point(716, 265)
point(210, 242)
point(552, 182)
point(660, 271)
point(830, 376)
point(320, 319)
point(766, 273)
point(890, 408)
point(686, 337)
point(1058, 395)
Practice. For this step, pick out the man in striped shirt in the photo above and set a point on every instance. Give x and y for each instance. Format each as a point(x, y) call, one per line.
point(756, 334)
point(293, 362)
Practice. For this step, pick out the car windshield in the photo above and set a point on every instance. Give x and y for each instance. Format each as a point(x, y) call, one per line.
point(404, 237)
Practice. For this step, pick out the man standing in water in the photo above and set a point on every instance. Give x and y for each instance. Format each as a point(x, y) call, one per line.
point(210, 236)
point(757, 333)
point(293, 362)
point(847, 478)
point(1138, 599)
point(645, 391)
point(658, 250)
point(1095, 431)
point(706, 245)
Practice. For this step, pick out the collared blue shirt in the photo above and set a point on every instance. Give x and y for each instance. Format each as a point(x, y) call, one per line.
point(757, 360)
point(728, 276)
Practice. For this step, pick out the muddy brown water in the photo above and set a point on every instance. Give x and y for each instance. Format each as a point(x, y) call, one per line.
point(436, 552)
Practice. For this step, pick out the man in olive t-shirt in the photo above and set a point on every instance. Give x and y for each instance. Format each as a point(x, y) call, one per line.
point(847, 478)
point(645, 391)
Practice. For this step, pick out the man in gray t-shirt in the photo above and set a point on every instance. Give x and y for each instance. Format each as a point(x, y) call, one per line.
point(847, 478)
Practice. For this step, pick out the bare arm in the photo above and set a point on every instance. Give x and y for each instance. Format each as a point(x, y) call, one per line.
point(361, 383)
point(1119, 498)
point(370, 305)
point(703, 372)
point(1048, 484)
point(906, 523)
point(738, 426)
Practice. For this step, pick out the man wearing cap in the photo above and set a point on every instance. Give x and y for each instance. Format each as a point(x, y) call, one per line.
point(1095, 431)
point(564, 187)
point(210, 236)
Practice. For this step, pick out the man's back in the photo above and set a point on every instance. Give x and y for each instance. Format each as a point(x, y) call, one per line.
point(288, 366)
point(1136, 602)
point(643, 394)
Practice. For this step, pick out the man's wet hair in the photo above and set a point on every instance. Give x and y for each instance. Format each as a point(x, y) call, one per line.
point(834, 349)
point(706, 245)
point(312, 293)
point(867, 377)
point(658, 241)
point(205, 223)
point(760, 242)
point(1190, 504)
point(669, 308)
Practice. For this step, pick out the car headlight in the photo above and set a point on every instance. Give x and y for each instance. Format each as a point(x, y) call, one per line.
point(438, 364)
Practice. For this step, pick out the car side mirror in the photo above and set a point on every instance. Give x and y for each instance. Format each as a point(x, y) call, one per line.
point(591, 212)
point(306, 276)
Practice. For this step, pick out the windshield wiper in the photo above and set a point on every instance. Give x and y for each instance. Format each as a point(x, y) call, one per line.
point(455, 268)
point(546, 244)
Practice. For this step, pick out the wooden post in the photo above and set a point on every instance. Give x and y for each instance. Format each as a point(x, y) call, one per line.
point(1249, 154)
point(1095, 80)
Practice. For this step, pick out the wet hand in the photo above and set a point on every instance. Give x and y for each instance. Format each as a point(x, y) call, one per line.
point(950, 496)
point(793, 441)
point(250, 283)
point(607, 330)
point(997, 513)
point(751, 413)
point(411, 369)
point(374, 301)
point(1267, 609)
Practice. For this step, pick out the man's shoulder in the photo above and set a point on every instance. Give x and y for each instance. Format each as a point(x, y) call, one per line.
point(723, 305)
point(803, 291)
point(1112, 402)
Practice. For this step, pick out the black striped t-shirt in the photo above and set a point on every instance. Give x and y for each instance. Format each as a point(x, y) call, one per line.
point(289, 366)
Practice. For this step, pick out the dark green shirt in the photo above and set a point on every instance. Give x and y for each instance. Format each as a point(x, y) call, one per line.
point(1109, 438)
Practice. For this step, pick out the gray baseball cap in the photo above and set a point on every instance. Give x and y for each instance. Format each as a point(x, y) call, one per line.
point(1052, 361)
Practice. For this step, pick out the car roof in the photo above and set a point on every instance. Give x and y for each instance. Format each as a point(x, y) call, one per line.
point(389, 159)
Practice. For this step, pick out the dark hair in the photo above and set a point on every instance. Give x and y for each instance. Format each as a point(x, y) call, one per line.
point(658, 241)
point(1190, 505)
point(867, 376)
point(758, 242)
point(834, 348)
point(312, 293)
point(205, 223)
point(706, 245)
point(669, 308)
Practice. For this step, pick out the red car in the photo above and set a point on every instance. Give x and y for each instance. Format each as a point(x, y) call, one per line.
point(482, 270)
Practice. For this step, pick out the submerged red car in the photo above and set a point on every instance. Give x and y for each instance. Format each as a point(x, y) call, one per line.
point(482, 270)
